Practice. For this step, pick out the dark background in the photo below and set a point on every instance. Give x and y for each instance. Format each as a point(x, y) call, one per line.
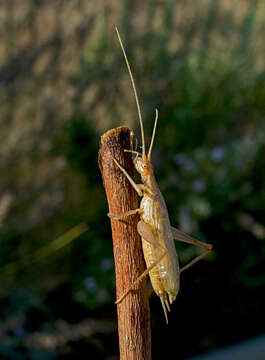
point(63, 83)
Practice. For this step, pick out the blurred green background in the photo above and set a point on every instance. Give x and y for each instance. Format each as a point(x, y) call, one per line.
point(63, 83)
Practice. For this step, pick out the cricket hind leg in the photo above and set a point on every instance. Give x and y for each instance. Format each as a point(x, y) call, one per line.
point(180, 236)
point(145, 231)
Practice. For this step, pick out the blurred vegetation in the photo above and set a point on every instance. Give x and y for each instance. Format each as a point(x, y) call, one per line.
point(63, 83)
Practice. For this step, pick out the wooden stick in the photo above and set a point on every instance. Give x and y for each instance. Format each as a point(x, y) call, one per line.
point(133, 312)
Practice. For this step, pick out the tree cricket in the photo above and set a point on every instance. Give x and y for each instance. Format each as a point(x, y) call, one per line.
point(154, 226)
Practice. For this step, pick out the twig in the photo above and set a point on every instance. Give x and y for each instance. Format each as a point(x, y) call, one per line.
point(133, 311)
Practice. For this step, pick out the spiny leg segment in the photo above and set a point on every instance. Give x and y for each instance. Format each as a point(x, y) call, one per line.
point(180, 236)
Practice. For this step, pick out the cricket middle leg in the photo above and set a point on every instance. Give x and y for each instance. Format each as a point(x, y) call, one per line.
point(125, 214)
point(145, 231)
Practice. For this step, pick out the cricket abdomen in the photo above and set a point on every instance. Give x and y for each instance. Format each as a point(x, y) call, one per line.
point(150, 258)
point(164, 276)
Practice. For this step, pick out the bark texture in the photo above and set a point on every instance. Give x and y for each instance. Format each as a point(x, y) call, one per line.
point(133, 311)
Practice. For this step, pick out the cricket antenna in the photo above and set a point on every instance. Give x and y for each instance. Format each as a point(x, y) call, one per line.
point(153, 136)
point(135, 92)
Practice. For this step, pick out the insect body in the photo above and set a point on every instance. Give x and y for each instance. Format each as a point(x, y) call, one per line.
point(154, 226)
point(153, 212)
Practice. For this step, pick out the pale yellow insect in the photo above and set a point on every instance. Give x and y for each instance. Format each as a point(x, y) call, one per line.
point(154, 227)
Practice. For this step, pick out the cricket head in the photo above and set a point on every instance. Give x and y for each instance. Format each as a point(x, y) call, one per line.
point(143, 166)
point(142, 162)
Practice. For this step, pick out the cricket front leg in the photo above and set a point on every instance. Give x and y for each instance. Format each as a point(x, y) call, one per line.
point(181, 236)
point(138, 187)
point(145, 231)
